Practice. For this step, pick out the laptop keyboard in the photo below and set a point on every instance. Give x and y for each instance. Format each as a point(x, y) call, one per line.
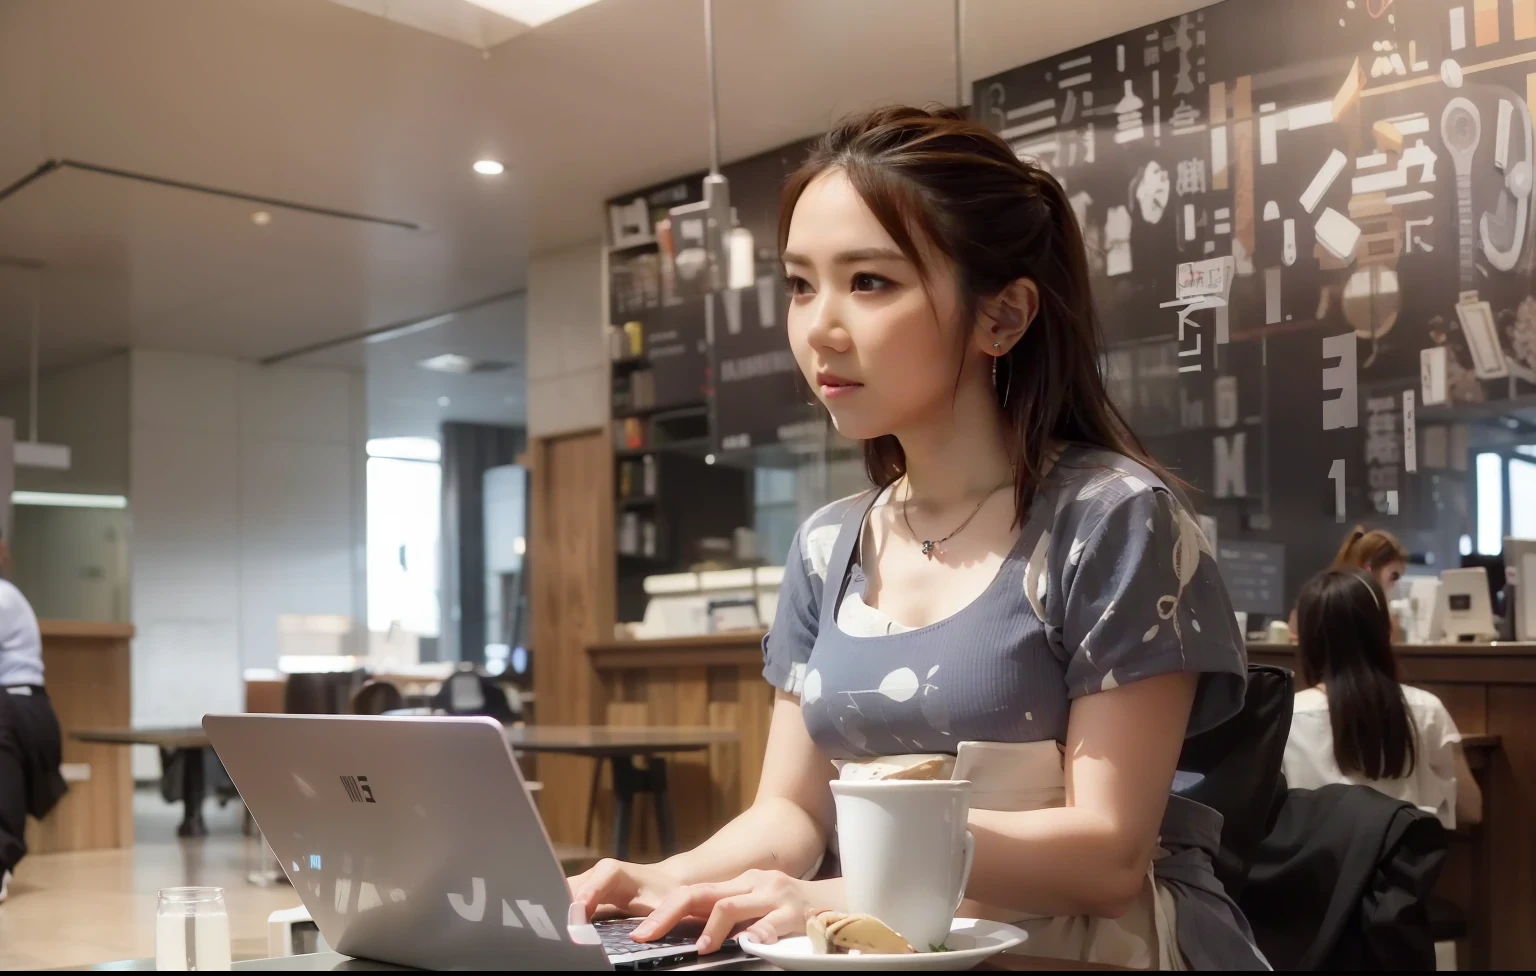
point(617, 943)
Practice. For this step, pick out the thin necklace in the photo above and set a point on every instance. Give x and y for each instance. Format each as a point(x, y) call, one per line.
point(930, 546)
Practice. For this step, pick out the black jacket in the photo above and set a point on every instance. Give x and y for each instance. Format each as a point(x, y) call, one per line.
point(1342, 881)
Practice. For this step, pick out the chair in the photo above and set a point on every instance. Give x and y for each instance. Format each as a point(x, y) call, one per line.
point(1235, 770)
point(321, 692)
point(468, 692)
point(376, 698)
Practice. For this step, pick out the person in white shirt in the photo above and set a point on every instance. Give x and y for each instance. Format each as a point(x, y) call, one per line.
point(30, 746)
point(1354, 723)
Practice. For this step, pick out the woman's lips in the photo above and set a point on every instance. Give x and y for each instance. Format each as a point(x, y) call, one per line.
point(833, 386)
point(833, 390)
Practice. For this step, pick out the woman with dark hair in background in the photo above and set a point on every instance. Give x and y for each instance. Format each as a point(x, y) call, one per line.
point(30, 746)
point(1354, 723)
point(1020, 573)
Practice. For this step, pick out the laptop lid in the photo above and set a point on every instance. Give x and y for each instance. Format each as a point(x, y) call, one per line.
point(410, 840)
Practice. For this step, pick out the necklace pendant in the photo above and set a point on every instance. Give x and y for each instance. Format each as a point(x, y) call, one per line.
point(928, 547)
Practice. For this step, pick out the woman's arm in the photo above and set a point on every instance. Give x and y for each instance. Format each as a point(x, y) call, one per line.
point(787, 826)
point(1091, 856)
point(1469, 797)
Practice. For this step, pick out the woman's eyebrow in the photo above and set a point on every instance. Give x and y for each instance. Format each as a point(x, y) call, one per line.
point(850, 257)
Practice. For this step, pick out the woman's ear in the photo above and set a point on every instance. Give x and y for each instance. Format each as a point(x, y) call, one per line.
point(1006, 317)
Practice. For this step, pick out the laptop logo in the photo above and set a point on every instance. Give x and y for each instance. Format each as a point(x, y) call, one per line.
point(472, 909)
point(358, 790)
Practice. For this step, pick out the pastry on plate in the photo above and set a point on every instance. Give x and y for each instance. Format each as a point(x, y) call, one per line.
point(834, 933)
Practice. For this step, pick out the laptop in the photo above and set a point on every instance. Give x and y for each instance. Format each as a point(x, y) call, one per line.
point(414, 841)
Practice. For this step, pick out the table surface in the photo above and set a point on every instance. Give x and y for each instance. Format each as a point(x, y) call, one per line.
point(587, 740)
point(320, 962)
point(190, 737)
point(611, 740)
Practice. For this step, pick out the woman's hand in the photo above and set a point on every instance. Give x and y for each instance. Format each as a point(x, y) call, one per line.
point(773, 902)
point(620, 887)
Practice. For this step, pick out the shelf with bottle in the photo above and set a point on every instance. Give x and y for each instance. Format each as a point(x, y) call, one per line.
point(638, 535)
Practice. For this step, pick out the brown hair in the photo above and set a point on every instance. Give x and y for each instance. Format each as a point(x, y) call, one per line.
point(936, 176)
point(1345, 644)
point(1369, 550)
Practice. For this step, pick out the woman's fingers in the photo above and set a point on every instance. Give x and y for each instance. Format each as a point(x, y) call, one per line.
point(764, 908)
point(689, 901)
point(606, 883)
point(773, 926)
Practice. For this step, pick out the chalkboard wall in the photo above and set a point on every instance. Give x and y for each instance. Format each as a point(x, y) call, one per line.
point(1309, 232)
point(1309, 229)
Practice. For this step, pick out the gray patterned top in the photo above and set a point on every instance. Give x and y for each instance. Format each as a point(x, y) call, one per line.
point(1111, 581)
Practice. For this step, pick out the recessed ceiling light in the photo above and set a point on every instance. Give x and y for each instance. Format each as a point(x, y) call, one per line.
point(261, 218)
point(531, 12)
point(449, 362)
point(488, 167)
point(443, 401)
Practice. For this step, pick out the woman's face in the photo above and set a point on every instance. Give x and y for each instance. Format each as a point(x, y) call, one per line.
point(1389, 574)
point(879, 348)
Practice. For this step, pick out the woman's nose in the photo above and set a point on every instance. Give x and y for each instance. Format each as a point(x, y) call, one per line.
point(826, 330)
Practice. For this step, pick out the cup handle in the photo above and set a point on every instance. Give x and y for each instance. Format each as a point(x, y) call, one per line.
point(965, 872)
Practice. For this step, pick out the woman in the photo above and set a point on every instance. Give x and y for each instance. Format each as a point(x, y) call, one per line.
point(1021, 574)
point(1354, 723)
point(1377, 552)
point(30, 746)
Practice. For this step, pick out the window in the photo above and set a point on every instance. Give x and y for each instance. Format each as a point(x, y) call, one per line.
point(1506, 498)
point(404, 505)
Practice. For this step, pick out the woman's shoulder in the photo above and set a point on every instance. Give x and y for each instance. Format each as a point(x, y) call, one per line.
point(818, 534)
point(1423, 702)
point(1094, 479)
point(1309, 700)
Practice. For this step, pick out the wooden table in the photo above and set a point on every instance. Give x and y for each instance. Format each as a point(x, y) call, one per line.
point(190, 743)
point(618, 747)
point(327, 962)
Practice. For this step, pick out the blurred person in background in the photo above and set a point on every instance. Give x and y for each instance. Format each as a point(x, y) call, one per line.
point(1376, 552)
point(30, 746)
point(1354, 723)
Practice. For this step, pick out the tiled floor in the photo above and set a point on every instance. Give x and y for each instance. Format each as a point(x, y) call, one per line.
point(76, 909)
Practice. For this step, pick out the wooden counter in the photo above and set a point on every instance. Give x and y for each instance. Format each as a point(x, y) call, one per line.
point(86, 671)
point(714, 680)
point(1490, 689)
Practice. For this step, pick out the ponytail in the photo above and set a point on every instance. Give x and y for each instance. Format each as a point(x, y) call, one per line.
point(1369, 550)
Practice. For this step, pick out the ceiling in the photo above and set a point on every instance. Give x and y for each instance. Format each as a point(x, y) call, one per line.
point(326, 105)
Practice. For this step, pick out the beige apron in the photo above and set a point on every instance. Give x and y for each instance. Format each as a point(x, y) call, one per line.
point(1021, 776)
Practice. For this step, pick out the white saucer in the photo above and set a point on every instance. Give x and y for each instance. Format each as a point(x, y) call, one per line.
point(971, 942)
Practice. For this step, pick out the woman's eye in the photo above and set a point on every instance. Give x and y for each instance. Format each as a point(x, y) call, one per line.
point(796, 285)
point(863, 281)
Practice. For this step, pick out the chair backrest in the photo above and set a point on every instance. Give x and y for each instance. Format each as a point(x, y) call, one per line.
point(467, 692)
point(321, 693)
point(1235, 769)
point(376, 697)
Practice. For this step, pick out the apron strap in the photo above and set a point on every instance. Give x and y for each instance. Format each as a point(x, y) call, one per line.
point(841, 561)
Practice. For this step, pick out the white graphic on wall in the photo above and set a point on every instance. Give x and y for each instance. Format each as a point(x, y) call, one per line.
point(1342, 410)
point(1152, 192)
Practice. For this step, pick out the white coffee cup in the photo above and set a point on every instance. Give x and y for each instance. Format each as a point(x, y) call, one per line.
point(906, 852)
